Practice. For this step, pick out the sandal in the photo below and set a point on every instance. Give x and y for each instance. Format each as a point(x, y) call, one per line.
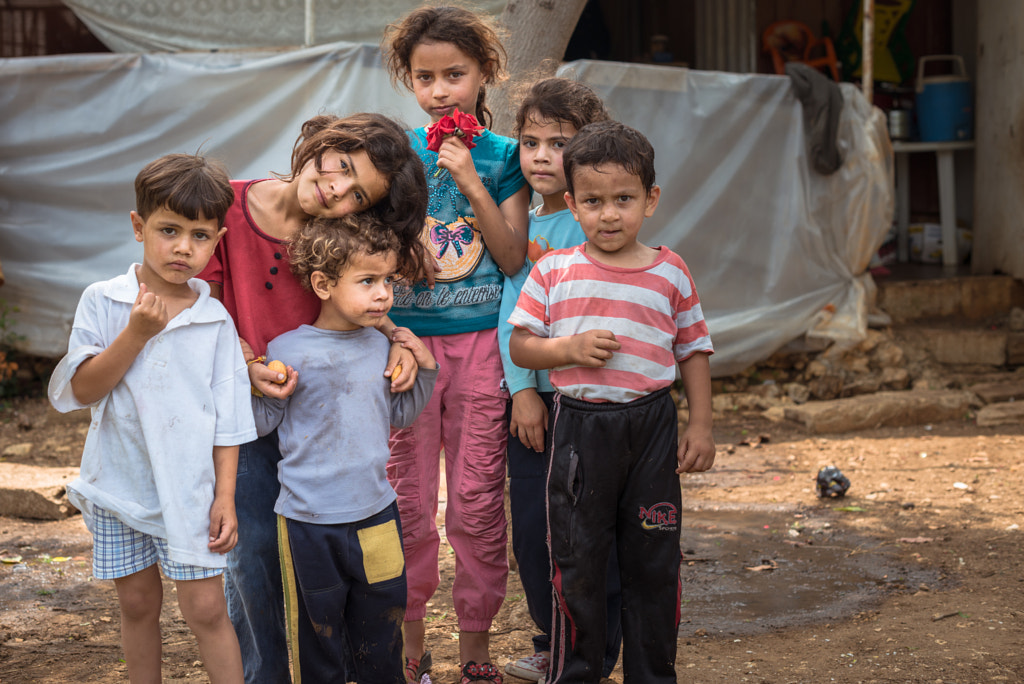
point(416, 670)
point(484, 672)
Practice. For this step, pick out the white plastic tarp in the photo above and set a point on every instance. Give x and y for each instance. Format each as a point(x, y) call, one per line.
point(774, 247)
point(175, 25)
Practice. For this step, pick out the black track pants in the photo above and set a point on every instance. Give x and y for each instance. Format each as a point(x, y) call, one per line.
point(612, 480)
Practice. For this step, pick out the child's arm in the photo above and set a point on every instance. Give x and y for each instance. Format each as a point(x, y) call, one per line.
point(529, 417)
point(98, 375)
point(268, 411)
point(398, 356)
point(592, 349)
point(696, 445)
point(223, 522)
point(421, 355)
point(504, 228)
point(405, 408)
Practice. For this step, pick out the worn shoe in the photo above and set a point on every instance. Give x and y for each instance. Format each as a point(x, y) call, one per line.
point(484, 672)
point(416, 670)
point(532, 667)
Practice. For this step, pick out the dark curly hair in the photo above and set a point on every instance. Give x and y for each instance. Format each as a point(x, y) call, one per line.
point(463, 28)
point(328, 244)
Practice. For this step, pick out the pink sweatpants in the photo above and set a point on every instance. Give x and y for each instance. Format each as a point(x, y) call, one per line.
point(465, 417)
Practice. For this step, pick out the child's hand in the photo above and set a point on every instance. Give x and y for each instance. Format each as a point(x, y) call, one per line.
point(593, 348)
point(457, 159)
point(402, 360)
point(266, 381)
point(428, 271)
point(148, 316)
point(414, 356)
point(529, 419)
point(247, 353)
point(223, 525)
point(696, 451)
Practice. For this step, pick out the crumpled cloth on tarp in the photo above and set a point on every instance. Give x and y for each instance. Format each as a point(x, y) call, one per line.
point(822, 102)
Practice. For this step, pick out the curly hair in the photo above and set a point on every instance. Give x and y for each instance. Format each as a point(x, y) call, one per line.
point(328, 244)
point(560, 100)
point(610, 142)
point(190, 185)
point(404, 208)
point(463, 28)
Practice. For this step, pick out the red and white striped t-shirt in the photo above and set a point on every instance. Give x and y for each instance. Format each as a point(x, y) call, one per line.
point(653, 311)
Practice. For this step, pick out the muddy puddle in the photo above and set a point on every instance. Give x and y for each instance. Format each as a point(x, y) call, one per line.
point(750, 569)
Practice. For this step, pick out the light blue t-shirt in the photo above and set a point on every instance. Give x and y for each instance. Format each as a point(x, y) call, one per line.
point(548, 232)
point(467, 294)
point(333, 431)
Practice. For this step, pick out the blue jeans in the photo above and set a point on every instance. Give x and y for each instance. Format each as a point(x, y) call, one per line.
point(252, 583)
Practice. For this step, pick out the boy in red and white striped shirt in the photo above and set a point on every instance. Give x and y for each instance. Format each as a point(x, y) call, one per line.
point(613, 319)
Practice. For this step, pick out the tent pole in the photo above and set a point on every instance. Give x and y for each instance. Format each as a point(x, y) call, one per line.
point(867, 68)
point(310, 24)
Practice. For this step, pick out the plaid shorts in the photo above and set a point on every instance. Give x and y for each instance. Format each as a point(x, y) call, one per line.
point(119, 551)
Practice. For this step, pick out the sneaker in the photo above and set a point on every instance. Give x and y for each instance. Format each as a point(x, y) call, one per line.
point(416, 670)
point(484, 672)
point(532, 667)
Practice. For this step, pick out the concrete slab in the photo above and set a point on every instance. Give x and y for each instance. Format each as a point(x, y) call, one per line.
point(1007, 413)
point(955, 346)
point(998, 392)
point(35, 492)
point(1015, 348)
point(973, 298)
point(882, 409)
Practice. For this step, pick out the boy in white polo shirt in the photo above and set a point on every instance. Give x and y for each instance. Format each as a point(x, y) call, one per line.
point(159, 363)
point(614, 319)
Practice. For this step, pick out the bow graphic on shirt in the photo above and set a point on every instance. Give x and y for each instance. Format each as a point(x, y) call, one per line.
point(455, 235)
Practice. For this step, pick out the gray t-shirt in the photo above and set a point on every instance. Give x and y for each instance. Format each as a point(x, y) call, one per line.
point(333, 431)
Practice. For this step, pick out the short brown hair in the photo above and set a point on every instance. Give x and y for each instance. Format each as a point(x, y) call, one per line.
point(610, 142)
point(561, 100)
point(327, 245)
point(191, 185)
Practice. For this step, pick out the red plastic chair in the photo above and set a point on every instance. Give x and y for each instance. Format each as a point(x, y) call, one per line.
point(793, 41)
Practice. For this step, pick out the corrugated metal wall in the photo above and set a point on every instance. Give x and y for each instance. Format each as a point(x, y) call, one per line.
point(726, 32)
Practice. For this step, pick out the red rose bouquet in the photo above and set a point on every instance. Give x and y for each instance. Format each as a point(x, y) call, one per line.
point(463, 126)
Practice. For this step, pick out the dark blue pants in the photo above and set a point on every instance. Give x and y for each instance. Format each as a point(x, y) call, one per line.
point(527, 488)
point(252, 583)
point(612, 485)
point(346, 594)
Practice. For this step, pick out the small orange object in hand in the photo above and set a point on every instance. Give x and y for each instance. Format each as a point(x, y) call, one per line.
point(279, 367)
point(395, 372)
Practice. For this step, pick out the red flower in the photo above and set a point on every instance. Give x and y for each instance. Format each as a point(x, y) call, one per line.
point(460, 124)
point(469, 126)
point(439, 131)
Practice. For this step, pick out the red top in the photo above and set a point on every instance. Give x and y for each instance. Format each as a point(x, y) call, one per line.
point(259, 290)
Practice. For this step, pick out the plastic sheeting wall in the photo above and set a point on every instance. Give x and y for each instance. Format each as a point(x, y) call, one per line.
point(148, 26)
point(774, 247)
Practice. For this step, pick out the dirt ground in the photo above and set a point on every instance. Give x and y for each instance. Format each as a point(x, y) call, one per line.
point(914, 576)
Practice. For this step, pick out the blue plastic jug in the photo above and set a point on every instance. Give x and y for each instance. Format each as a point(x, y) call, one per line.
point(945, 105)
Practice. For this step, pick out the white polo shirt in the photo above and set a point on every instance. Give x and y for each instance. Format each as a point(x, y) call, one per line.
point(148, 455)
